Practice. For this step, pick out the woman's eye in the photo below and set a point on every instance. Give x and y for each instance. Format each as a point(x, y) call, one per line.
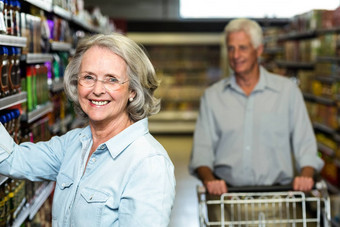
point(111, 80)
point(88, 77)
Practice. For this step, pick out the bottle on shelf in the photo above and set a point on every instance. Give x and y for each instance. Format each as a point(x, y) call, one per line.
point(4, 71)
point(3, 29)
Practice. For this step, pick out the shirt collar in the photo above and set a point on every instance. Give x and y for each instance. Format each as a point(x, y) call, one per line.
point(118, 143)
point(265, 82)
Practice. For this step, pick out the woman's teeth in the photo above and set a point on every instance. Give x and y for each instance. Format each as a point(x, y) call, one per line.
point(100, 103)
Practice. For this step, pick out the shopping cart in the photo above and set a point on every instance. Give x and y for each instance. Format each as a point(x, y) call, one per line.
point(268, 206)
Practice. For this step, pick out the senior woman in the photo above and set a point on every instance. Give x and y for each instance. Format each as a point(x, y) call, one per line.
point(112, 172)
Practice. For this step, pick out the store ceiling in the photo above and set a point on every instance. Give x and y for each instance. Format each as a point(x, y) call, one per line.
point(138, 9)
point(160, 16)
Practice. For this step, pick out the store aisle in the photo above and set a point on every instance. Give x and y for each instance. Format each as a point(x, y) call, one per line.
point(185, 210)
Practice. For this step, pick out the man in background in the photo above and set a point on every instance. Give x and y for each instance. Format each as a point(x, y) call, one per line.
point(252, 122)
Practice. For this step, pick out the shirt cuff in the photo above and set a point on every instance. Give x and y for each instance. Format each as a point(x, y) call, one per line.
point(6, 143)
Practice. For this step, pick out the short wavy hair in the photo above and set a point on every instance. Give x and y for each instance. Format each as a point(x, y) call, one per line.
point(142, 77)
point(250, 27)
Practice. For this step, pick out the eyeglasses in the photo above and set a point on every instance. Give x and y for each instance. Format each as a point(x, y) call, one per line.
point(89, 80)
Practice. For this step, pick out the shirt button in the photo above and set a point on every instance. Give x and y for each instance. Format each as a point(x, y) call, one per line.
point(93, 159)
point(63, 184)
point(102, 147)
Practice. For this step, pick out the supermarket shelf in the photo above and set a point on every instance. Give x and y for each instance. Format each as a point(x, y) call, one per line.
point(171, 127)
point(80, 22)
point(23, 214)
point(326, 150)
point(49, 7)
point(176, 38)
point(39, 112)
point(319, 99)
point(13, 100)
point(295, 65)
point(174, 116)
point(42, 4)
point(324, 128)
point(273, 50)
point(39, 201)
point(38, 58)
point(333, 189)
point(9, 40)
point(3, 179)
point(173, 122)
point(29, 211)
point(57, 86)
point(328, 59)
point(307, 34)
point(297, 35)
point(327, 79)
point(62, 12)
point(60, 46)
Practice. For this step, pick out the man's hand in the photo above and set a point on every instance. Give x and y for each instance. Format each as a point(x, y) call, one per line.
point(216, 187)
point(305, 182)
point(302, 183)
point(213, 186)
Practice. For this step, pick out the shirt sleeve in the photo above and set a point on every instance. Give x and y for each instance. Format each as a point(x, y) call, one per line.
point(203, 150)
point(32, 161)
point(149, 195)
point(303, 138)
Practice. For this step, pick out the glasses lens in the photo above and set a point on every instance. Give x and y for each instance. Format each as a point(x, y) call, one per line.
point(87, 80)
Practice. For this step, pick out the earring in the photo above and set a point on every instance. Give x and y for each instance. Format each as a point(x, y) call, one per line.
point(131, 99)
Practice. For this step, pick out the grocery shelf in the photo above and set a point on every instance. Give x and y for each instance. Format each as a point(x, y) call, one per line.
point(324, 128)
point(80, 22)
point(319, 99)
point(296, 65)
point(39, 201)
point(42, 4)
point(173, 122)
point(60, 46)
point(326, 150)
point(3, 179)
point(30, 210)
point(297, 35)
point(10, 40)
point(327, 79)
point(40, 111)
point(22, 216)
point(50, 7)
point(13, 100)
point(328, 59)
point(171, 127)
point(176, 38)
point(175, 116)
point(57, 86)
point(32, 58)
point(62, 12)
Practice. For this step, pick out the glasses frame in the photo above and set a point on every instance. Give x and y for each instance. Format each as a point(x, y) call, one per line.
point(79, 77)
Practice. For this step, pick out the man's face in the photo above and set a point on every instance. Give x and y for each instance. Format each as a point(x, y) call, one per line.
point(242, 55)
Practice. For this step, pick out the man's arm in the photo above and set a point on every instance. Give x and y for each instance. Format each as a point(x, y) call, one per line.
point(214, 186)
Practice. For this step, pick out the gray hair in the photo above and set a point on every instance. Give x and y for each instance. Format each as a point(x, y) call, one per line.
point(141, 73)
point(250, 27)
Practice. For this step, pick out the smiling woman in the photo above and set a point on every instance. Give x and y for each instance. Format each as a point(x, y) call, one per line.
point(112, 172)
point(245, 8)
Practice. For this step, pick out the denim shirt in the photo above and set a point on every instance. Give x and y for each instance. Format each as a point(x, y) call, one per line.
point(250, 140)
point(128, 181)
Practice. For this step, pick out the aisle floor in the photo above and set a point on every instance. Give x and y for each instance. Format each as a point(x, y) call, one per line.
point(185, 210)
